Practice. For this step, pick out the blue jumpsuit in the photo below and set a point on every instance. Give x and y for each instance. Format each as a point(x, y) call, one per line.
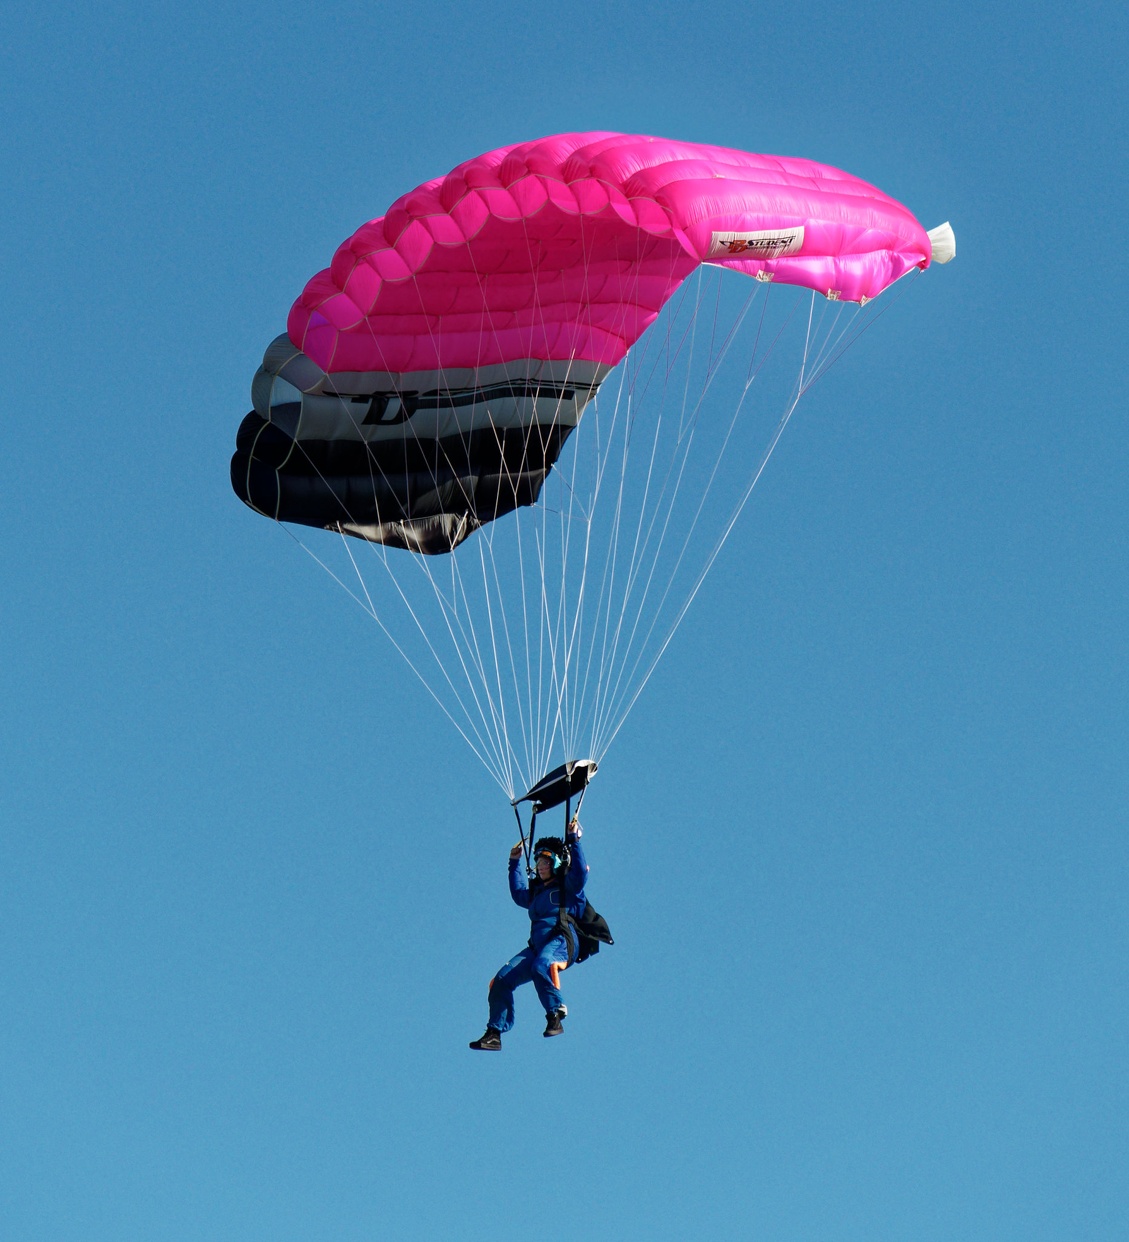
point(546, 944)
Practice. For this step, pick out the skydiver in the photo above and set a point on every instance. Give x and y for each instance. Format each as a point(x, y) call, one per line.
point(549, 938)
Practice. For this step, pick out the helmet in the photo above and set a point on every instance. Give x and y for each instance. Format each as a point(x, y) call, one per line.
point(554, 849)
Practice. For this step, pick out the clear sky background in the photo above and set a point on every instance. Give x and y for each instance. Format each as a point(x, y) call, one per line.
point(863, 840)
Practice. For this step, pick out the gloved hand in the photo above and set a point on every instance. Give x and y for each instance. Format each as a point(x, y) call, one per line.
point(516, 851)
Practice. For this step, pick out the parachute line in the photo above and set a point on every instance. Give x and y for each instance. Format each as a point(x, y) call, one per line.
point(369, 608)
point(544, 647)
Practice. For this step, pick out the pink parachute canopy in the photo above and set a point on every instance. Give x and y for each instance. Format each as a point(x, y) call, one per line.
point(567, 248)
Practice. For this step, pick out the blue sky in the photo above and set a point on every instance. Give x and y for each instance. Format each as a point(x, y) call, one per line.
point(862, 841)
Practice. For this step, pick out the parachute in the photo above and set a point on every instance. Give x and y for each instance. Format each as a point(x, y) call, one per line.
point(436, 395)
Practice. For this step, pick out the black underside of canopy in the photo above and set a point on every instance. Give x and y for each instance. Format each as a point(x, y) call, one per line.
point(340, 483)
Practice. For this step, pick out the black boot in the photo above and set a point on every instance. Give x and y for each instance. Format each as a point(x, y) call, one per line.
point(553, 1023)
point(490, 1042)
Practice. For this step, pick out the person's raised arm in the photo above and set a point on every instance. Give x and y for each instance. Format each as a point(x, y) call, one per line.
point(519, 885)
point(578, 864)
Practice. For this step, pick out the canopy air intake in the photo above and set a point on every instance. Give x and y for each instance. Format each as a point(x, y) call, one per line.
point(943, 242)
point(564, 782)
